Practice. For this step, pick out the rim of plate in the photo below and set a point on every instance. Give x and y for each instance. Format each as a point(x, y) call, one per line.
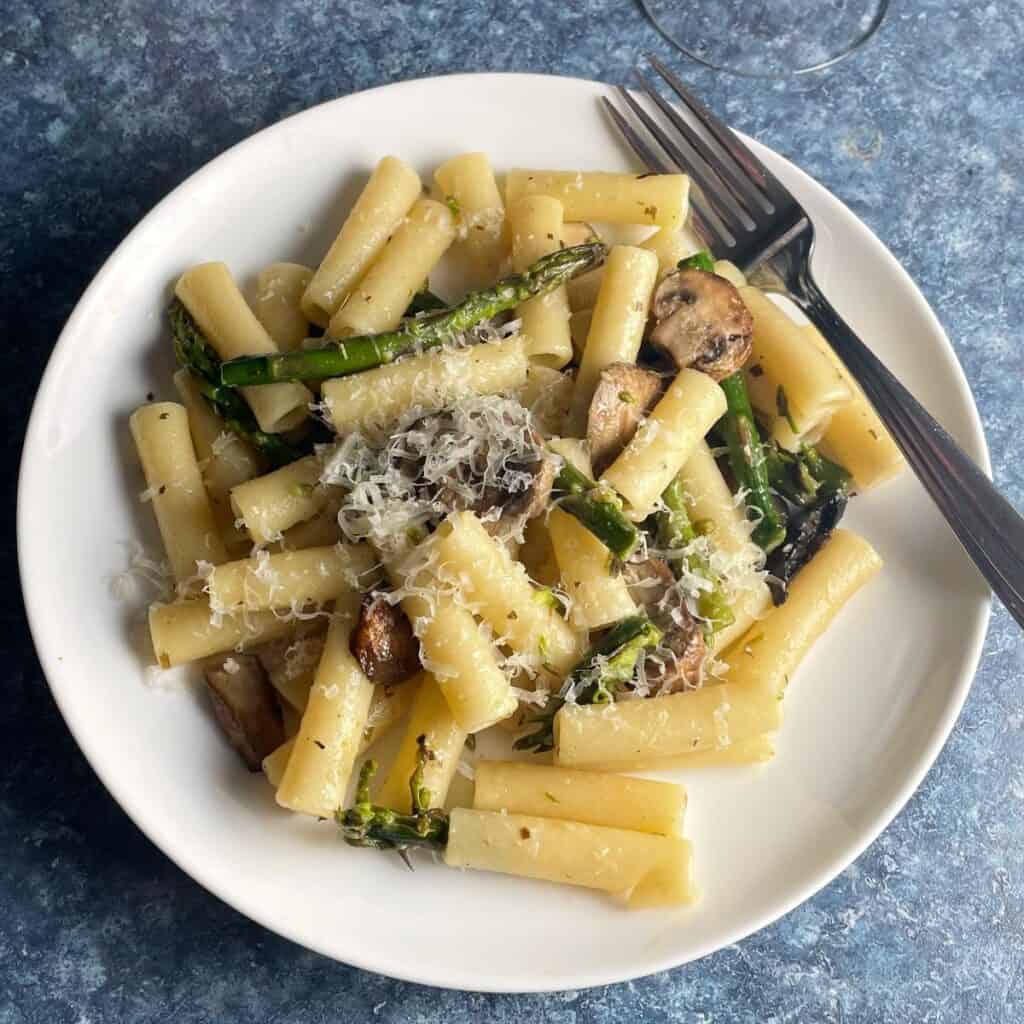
point(192, 863)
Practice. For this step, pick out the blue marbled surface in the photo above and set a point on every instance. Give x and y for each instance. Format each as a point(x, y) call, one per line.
point(106, 106)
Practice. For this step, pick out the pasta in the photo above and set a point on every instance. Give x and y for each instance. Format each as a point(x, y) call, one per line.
point(855, 436)
point(670, 246)
point(278, 303)
point(431, 722)
point(318, 771)
point(382, 205)
point(547, 394)
point(290, 579)
point(617, 324)
point(467, 183)
point(755, 750)
point(765, 658)
point(661, 199)
point(597, 598)
point(188, 631)
point(209, 293)
point(379, 301)
point(175, 488)
point(429, 382)
point(275, 502)
point(588, 797)
point(434, 549)
point(386, 707)
point(497, 586)
point(786, 359)
point(646, 870)
point(462, 660)
point(665, 440)
point(711, 502)
point(682, 723)
point(225, 459)
point(536, 227)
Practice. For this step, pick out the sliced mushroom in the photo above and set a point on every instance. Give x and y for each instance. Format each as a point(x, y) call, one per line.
point(245, 706)
point(648, 581)
point(678, 661)
point(701, 321)
point(384, 644)
point(624, 395)
point(807, 530)
point(517, 509)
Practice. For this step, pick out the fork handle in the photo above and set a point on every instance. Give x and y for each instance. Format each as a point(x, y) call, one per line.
point(984, 522)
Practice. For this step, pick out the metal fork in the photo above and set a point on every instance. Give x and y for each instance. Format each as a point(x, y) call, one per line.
point(745, 214)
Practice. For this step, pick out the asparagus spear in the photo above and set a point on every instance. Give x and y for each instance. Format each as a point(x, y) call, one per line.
point(702, 260)
point(801, 478)
point(597, 678)
point(353, 355)
point(196, 355)
point(598, 508)
point(368, 824)
point(747, 460)
point(675, 530)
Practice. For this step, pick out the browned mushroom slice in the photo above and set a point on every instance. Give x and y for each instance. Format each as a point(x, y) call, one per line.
point(245, 706)
point(624, 395)
point(701, 321)
point(383, 643)
point(678, 661)
point(518, 508)
point(648, 581)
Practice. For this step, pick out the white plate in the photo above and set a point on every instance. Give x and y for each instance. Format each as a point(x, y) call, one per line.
point(864, 720)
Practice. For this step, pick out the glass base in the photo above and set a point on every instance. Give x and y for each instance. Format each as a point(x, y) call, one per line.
point(763, 39)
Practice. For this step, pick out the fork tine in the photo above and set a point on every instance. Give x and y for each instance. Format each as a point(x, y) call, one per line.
point(648, 157)
point(688, 162)
point(728, 140)
point(740, 187)
point(704, 222)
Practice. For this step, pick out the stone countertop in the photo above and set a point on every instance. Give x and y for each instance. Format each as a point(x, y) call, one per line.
point(106, 107)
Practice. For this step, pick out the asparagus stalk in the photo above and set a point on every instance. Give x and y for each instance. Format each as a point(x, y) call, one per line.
point(597, 678)
point(747, 460)
point(353, 355)
point(598, 508)
point(675, 531)
point(368, 824)
point(804, 477)
point(196, 355)
point(702, 260)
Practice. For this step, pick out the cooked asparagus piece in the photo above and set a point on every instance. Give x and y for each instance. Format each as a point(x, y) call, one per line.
point(368, 824)
point(352, 355)
point(197, 356)
point(676, 531)
point(747, 461)
point(598, 508)
point(702, 260)
point(609, 664)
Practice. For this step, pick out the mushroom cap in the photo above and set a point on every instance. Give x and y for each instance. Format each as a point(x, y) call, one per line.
point(624, 395)
point(678, 661)
point(384, 644)
point(702, 322)
point(245, 706)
